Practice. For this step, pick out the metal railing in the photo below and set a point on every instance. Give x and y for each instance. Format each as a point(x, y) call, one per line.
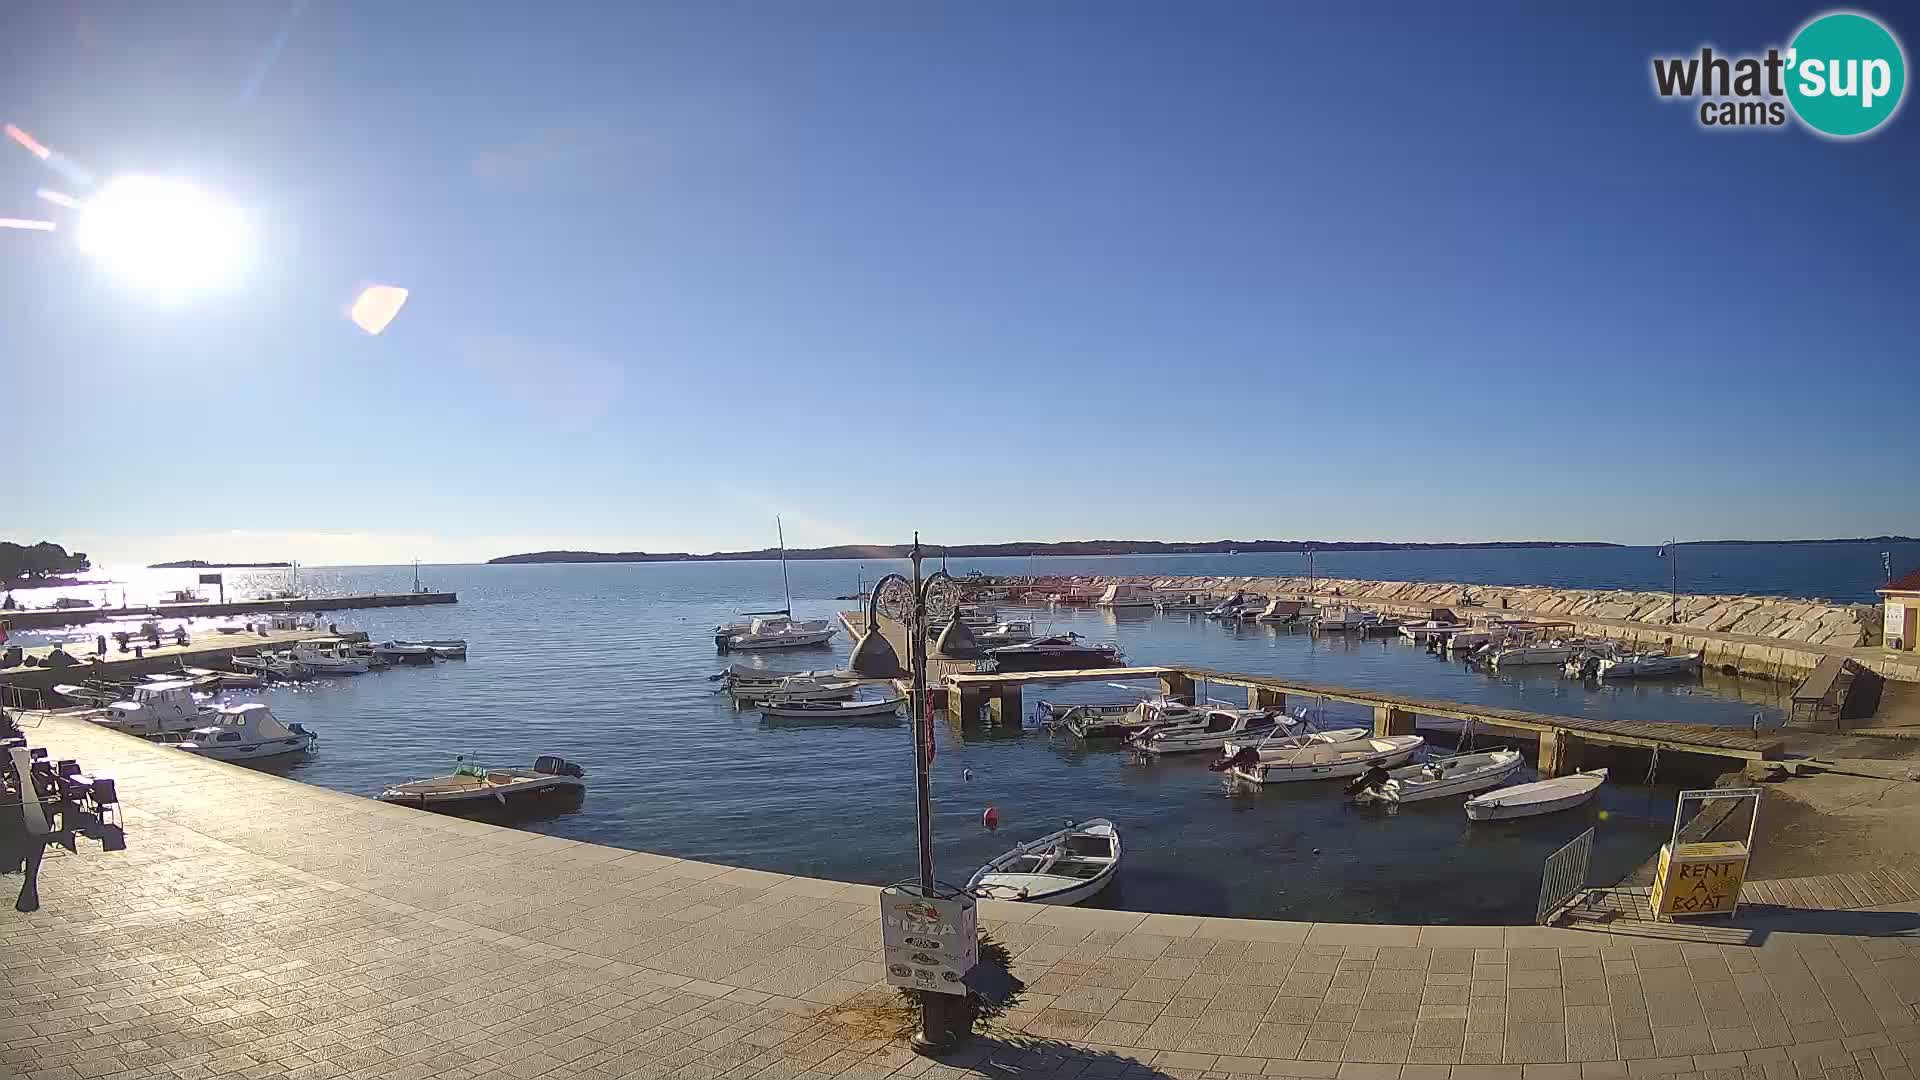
point(1563, 876)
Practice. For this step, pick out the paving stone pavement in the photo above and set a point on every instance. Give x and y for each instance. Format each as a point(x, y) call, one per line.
point(259, 927)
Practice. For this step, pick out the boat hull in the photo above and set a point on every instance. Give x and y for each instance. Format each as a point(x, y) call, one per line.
point(1281, 773)
point(1513, 803)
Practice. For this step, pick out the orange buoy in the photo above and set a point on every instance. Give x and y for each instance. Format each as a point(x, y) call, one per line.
point(991, 819)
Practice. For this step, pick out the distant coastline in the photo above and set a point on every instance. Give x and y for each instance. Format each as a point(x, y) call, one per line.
point(202, 564)
point(1082, 548)
point(1786, 543)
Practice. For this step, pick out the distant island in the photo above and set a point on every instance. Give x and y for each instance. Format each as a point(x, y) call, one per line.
point(202, 564)
point(1023, 550)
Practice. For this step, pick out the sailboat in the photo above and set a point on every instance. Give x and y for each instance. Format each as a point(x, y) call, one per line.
point(773, 629)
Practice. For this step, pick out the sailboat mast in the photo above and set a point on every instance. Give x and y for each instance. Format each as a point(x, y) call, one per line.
point(785, 586)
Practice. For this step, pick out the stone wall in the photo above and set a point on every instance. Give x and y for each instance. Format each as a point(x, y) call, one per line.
point(1786, 619)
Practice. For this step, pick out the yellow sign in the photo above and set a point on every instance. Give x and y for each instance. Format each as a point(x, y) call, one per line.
point(1699, 879)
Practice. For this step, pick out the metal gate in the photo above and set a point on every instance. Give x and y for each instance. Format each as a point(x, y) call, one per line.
point(1563, 876)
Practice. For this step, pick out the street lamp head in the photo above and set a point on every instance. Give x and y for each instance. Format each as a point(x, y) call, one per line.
point(873, 658)
point(956, 641)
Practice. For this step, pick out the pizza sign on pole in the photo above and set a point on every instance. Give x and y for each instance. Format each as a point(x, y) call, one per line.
point(931, 943)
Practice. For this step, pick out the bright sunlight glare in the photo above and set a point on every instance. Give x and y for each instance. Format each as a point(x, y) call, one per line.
point(163, 235)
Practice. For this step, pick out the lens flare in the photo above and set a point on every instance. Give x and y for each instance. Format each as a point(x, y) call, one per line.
point(163, 235)
point(376, 306)
point(58, 198)
point(26, 223)
point(32, 144)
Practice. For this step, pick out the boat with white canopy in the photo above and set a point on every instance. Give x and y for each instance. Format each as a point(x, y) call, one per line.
point(1116, 720)
point(1331, 761)
point(157, 708)
point(1539, 797)
point(1459, 774)
point(1210, 729)
point(1279, 746)
point(1063, 867)
point(240, 732)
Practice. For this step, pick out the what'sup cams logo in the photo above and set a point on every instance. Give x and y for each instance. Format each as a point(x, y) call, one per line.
point(1843, 76)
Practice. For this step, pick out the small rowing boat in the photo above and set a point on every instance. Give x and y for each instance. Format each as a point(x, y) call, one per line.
point(834, 710)
point(1064, 867)
point(1539, 797)
point(476, 786)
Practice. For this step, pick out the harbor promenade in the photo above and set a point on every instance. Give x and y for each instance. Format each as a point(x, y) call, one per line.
point(256, 926)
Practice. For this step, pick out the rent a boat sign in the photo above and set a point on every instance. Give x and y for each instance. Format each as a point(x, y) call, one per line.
point(931, 942)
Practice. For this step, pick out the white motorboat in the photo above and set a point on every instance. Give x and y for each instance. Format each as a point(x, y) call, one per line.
point(1121, 595)
point(1280, 611)
point(1331, 761)
point(156, 708)
point(1421, 631)
point(472, 787)
point(1118, 721)
point(1647, 666)
point(976, 616)
point(742, 677)
point(1340, 620)
point(445, 648)
point(1539, 797)
point(327, 656)
point(395, 653)
point(1228, 608)
point(780, 632)
point(1064, 867)
point(1279, 746)
point(1011, 632)
point(278, 665)
point(246, 731)
point(1459, 774)
point(1185, 604)
point(887, 708)
point(1210, 730)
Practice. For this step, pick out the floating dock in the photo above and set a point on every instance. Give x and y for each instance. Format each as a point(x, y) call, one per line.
point(41, 618)
point(1561, 738)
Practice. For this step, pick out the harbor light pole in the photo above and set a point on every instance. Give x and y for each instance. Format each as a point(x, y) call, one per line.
point(873, 657)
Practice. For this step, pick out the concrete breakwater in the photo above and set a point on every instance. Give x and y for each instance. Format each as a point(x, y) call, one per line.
point(1778, 637)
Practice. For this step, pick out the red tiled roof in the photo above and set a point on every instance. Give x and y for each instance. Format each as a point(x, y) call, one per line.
point(1907, 582)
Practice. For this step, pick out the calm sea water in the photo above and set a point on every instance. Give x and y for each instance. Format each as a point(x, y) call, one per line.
point(609, 666)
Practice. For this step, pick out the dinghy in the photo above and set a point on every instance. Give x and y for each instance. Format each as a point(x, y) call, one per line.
point(1460, 774)
point(834, 710)
point(1064, 867)
point(1331, 761)
point(1539, 797)
point(798, 688)
point(444, 648)
point(477, 786)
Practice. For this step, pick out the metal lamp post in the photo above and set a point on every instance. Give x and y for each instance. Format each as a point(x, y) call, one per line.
point(874, 658)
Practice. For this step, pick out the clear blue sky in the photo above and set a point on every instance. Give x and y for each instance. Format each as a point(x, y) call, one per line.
point(993, 271)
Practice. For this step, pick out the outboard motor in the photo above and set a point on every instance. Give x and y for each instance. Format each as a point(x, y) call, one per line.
point(553, 765)
point(1374, 775)
point(1245, 757)
point(721, 640)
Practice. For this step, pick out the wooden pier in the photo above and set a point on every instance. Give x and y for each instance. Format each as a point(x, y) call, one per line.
point(41, 618)
point(1562, 738)
point(25, 687)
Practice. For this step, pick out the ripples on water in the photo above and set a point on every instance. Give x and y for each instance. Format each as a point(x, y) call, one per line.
point(609, 666)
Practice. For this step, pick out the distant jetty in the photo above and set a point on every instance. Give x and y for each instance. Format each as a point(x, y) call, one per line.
point(202, 564)
point(1024, 550)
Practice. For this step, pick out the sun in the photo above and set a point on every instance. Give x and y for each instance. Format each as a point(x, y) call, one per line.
point(164, 235)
